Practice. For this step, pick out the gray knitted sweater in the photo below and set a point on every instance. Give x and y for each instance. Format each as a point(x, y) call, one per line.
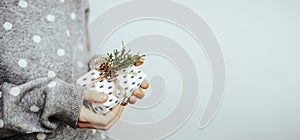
point(43, 50)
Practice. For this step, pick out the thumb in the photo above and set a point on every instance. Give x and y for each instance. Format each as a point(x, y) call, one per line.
point(95, 96)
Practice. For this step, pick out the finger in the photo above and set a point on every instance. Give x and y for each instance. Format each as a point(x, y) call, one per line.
point(132, 99)
point(84, 121)
point(113, 121)
point(95, 96)
point(87, 115)
point(108, 126)
point(138, 93)
point(145, 84)
point(98, 119)
point(114, 112)
point(83, 114)
point(101, 127)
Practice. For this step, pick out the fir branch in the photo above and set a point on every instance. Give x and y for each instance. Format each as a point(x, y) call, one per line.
point(119, 60)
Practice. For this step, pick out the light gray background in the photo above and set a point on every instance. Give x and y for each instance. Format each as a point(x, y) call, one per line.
point(260, 42)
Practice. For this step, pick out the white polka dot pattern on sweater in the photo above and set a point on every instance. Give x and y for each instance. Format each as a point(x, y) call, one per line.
point(1, 123)
point(36, 39)
point(34, 108)
point(41, 136)
point(15, 91)
point(51, 74)
point(22, 63)
point(7, 26)
point(52, 84)
point(50, 18)
point(68, 33)
point(73, 16)
point(94, 131)
point(61, 52)
point(23, 4)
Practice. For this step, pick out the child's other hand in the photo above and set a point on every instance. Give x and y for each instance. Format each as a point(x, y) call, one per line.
point(138, 93)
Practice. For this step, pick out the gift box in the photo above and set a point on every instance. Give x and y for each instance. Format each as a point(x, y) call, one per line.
point(118, 83)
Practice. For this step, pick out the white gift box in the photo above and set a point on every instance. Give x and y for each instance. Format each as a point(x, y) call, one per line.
point(129, 79)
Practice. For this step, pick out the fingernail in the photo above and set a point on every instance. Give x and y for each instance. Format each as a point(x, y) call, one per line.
point(124, 103)
point(145, 85)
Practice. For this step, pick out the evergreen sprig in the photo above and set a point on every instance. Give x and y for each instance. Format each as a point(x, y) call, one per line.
point(119, 60)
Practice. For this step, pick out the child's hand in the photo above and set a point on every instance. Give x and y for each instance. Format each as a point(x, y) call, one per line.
point(89, 119)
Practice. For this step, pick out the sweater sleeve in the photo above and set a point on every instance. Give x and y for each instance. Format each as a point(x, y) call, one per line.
point(39, 105)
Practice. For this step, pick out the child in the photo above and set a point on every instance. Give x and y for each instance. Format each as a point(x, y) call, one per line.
point(38, 70)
